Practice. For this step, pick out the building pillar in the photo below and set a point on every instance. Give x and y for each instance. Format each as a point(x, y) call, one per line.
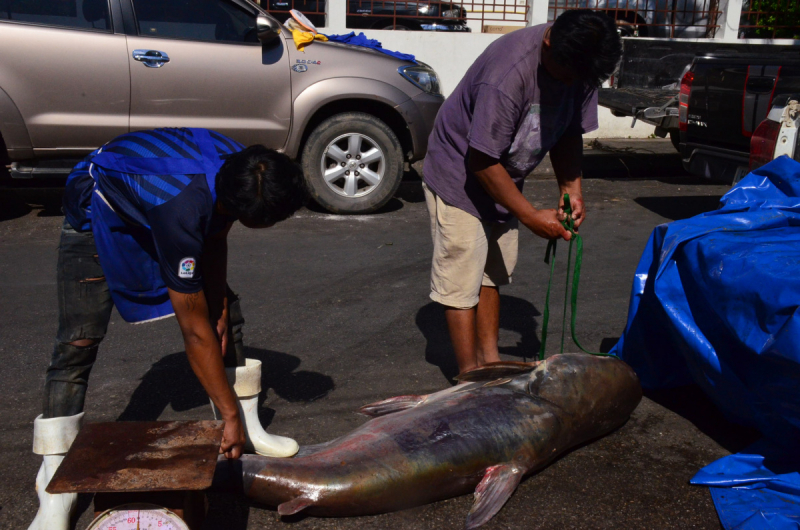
point(537, 13)
point(729, 19)
point(337, 16)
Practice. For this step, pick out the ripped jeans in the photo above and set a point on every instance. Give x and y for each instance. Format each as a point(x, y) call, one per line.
point(84, 310)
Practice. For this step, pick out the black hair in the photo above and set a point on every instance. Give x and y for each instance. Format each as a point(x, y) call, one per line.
point(261, 186)
point(587, 43)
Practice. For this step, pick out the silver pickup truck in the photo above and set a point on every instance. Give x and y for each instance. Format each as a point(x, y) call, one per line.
point(76, 73)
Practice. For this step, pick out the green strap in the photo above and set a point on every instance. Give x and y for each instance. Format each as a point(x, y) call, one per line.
point(551, 249)
point(550, 257)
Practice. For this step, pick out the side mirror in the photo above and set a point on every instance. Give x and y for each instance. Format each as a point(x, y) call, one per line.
point(268, 29)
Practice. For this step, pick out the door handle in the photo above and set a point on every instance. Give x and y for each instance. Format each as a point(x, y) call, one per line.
point(151, 58)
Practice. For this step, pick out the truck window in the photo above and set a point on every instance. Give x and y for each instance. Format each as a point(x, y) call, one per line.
point(202, 20)
point(79, 14)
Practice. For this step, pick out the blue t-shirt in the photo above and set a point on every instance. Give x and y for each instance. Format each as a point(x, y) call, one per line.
point(174, 211)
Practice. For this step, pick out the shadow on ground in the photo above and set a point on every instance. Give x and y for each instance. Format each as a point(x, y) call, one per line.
point(170, 381)
point(11, 206)
point(516, 315)
point(693, 404)
point(15, 203)
point(680, 207)
point(634, 161)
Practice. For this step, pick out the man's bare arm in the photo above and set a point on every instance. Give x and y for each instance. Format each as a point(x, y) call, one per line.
point(498, 184)
point(566, 157)
point(205, 358)
point(215, 274)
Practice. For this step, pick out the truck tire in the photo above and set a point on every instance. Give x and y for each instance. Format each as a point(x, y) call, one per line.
point(353, 163)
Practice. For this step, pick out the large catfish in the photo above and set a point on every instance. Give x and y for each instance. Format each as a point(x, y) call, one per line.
point(508, 420)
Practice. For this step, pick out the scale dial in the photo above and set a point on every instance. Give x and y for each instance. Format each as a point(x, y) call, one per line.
point(138, 517)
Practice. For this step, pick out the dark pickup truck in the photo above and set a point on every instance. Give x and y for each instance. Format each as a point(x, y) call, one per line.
point(708, 96)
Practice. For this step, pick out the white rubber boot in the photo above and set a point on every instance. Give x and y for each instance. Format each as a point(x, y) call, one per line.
point(51, 439)
point(246, 383)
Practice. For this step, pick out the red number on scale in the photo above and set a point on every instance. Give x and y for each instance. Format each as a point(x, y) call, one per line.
point(131, 519)
point(159, 523)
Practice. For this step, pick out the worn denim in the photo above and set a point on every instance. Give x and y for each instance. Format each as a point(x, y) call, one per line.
point(84, 310)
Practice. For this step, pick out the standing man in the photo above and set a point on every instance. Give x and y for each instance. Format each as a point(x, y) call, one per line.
point(147, 217)
point(531, 92)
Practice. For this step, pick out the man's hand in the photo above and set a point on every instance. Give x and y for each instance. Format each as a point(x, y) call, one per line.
point(233, 438)
point(576, 203)
point(545, 223)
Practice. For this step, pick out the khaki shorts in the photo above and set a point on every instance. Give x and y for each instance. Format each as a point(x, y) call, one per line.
point(467, 253)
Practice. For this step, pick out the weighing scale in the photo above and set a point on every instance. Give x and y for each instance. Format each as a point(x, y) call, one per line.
point(144, 475)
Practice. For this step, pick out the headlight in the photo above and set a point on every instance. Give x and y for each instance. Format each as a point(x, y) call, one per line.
point(451, 13)
point(423, 76)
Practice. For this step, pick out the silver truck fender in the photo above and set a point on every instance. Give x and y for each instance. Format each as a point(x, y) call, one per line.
point(313, 98)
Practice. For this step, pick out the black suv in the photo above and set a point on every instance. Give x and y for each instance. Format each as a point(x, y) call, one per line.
point(380, 14)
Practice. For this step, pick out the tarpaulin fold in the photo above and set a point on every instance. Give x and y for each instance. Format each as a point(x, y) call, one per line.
point(756, 489)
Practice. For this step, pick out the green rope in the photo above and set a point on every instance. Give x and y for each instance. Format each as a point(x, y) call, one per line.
point(550, 258)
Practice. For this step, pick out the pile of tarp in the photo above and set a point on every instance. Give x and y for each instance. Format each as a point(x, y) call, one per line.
point(715, 302)
point(365, 42)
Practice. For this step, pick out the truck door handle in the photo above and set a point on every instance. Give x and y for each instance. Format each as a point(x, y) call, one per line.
point(151, 58)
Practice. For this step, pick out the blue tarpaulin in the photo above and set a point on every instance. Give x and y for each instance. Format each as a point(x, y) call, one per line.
point(715, 302)
point(363, 41)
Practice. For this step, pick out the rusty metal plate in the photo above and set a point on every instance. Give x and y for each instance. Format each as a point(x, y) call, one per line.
point(140, 456)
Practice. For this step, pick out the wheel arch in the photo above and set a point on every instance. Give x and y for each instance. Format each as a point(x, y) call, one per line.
point(15, 142)
point(328, 98)
point(383, 112)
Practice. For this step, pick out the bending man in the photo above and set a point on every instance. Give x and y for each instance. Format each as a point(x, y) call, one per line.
point(147, 217)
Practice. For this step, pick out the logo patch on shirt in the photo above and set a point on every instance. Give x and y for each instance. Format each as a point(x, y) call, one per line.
point(186, 268)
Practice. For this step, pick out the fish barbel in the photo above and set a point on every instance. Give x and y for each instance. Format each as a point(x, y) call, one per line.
point(508, 420)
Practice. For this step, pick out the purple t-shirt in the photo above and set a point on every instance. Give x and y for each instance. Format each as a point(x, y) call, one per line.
point(509, 107)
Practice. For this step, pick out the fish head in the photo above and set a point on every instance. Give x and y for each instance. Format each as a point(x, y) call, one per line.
point(597, 390)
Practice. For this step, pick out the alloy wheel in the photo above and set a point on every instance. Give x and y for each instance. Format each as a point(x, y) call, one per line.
point(353, 165)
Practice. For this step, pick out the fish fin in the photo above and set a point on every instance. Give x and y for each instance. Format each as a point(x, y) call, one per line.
point(497, 382)
point(495, 370)
point(387, 406)
point(495, 489)
point(295, 505)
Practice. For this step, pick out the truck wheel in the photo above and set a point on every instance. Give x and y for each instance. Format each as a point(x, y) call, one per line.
point(353, 163)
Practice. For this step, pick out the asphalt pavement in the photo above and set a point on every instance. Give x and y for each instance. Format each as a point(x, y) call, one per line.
point(337, 309)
